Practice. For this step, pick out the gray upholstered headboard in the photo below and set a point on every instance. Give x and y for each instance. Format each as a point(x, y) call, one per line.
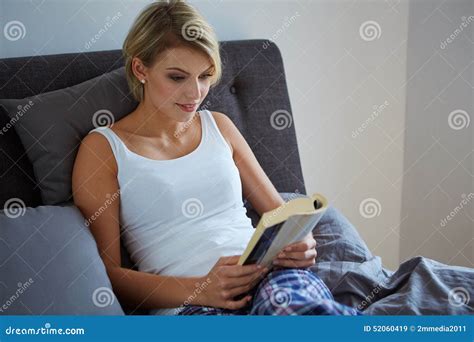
point(253, 87)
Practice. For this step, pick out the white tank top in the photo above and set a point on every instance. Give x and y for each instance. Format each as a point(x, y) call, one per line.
point(179, 216)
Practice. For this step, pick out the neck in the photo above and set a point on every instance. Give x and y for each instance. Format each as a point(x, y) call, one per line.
point(154, 123)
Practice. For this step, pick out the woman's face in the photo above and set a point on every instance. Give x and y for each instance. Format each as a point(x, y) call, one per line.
point(180, 76)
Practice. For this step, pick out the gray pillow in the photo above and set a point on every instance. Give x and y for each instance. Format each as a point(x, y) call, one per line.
point(51, 126)
point(49, 264)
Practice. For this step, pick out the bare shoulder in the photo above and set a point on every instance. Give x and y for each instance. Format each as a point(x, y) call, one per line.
point(95, 150)
point(227, 127)
point(222, 120)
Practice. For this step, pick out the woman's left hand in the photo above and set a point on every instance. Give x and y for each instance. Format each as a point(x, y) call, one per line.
point(300, 254)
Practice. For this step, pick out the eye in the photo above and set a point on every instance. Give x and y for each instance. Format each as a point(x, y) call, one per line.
point(180, 78)
point(176, 78)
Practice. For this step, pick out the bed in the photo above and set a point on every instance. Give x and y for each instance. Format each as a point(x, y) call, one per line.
point(253, 88)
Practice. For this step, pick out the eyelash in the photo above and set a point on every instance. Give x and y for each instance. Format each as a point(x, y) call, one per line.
point(180, 78)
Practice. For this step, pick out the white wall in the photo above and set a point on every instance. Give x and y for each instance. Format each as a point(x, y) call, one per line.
point(438, 159)
point(354, 98)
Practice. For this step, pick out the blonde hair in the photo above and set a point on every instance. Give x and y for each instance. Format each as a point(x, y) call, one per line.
point(163, 25)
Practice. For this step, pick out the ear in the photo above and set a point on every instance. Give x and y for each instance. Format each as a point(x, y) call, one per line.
point(139, 69)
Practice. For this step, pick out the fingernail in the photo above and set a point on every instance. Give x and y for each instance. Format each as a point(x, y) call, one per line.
point(259, 266)
point(275, 262)
point(288, 249)
point(281, 255)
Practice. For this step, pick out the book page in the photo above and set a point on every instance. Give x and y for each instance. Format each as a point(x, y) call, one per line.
point(263, 244)
point(294, 229)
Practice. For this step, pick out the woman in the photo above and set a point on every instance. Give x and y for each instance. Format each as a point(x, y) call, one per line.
point(177, 177)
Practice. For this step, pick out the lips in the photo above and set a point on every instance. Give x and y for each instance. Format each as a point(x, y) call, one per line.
point(188, 107)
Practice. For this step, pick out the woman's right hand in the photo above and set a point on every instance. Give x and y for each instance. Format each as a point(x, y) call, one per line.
point(227, 280)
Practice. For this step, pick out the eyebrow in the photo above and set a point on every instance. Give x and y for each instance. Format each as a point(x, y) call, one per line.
point(187, 73)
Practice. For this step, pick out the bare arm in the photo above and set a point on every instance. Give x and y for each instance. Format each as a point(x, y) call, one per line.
point(261, 193)
point(95, 187)
point(256, 186)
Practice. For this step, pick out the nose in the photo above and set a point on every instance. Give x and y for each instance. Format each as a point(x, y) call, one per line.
point(193, 90)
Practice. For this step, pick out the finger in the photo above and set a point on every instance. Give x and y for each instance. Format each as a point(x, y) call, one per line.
point(300, 246)
point(229, 260)
point(238, 271)
point(308, 254)
point(237, 304)
point(242, 281)
point(258, 280)
point(231, 294)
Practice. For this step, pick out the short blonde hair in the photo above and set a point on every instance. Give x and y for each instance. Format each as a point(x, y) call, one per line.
point(163, 25)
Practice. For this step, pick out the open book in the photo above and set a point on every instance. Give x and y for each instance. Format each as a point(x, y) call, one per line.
point(277, 228)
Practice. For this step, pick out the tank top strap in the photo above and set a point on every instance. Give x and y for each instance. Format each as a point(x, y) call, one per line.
point(213, 131)
point(114, 142)
point(212, 140)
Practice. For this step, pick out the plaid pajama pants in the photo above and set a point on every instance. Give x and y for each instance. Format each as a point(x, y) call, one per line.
point(284, 291)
